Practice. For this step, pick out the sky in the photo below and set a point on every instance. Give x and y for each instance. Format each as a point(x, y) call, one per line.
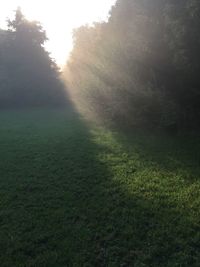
point(58, 18)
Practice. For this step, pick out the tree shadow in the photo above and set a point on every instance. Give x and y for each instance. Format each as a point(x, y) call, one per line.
point(64, 204)
point(171, 153)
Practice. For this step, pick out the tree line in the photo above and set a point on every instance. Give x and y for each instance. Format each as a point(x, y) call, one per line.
point(141, 68)
point(28, 75)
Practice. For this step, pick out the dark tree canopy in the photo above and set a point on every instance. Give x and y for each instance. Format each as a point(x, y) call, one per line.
point(142, 67)
point(30, 76)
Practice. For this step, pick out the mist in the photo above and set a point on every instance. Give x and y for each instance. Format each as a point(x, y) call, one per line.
point(139, 69)
point(99, 160)
point(29, 76)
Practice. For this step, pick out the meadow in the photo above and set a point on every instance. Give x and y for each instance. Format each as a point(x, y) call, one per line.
point(80, 195)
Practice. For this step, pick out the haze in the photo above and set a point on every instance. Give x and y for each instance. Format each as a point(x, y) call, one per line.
point(58, 19)
point(100, 162)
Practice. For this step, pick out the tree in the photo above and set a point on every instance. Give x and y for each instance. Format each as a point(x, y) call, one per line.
point(141, 67)
point(33, 77)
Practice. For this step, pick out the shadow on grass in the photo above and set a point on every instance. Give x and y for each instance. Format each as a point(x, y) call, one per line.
point(178, 153)
point(63, 206)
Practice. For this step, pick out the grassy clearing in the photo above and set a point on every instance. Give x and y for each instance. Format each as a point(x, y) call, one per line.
point(73, 195)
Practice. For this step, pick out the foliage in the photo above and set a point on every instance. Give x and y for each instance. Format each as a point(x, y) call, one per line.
point(30, 76)
point(141, 68)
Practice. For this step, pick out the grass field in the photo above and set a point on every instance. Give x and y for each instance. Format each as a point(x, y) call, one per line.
point(72, 194)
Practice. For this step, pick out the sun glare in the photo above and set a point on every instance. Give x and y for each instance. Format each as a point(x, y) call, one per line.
point(58, 18)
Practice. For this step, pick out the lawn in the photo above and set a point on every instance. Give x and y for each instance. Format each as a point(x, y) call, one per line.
point(74, 194)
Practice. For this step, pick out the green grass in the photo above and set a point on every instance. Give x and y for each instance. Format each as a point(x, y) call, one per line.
point(78, 195)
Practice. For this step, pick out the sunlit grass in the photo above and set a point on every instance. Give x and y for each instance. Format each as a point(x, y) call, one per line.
point(79, 195)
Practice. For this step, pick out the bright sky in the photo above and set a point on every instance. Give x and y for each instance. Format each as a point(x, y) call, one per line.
point(58, 18)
